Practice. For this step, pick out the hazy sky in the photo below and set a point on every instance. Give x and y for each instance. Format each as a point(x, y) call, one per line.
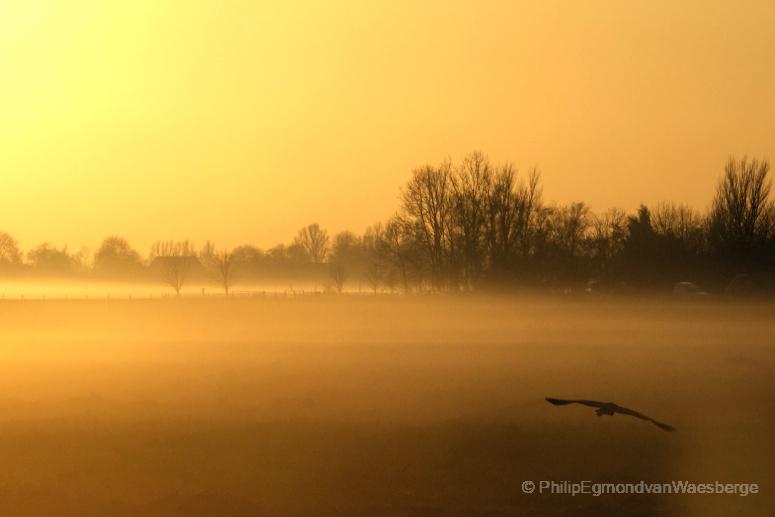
point(242, 121)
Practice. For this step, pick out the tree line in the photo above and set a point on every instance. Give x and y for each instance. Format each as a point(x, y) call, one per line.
point(475, 225)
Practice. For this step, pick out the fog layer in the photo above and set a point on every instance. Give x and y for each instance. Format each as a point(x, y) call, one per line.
point(377, 405)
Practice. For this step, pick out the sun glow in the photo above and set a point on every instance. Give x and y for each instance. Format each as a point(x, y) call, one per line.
point(255, 118)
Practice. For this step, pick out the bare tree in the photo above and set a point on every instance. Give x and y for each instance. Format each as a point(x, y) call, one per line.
point(314, 241)
point(570, 228)
point(528, 200)
point(374, 275)
point(249, 261)
point(338, 275)
point(175, 261)
point(396, 245)
point(207, 253)
point(471, 187)
point(682, 230)
point(116, 257)
point(9, 250)
point(48, 259)
point(224, 261)
point(373, 249)
point(509, 215)
point(220, 262)
point(82, 260)
point(677, 221)
point(348, 257)
point(741, 215)
point(609, 231)
point(427, 210)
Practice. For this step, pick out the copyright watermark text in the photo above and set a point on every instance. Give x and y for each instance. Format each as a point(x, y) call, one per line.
point(596, 489)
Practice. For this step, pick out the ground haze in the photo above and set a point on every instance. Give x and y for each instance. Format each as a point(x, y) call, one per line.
point(379, 405)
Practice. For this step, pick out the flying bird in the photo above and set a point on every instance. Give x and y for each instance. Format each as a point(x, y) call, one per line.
point(609, 408)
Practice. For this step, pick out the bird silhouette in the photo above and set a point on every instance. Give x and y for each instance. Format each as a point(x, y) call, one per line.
point(609, 408)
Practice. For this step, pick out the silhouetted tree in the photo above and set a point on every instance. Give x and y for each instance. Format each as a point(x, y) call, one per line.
point(10, 255)
point(82, 261)
point(225, 262)
point(510, 213)
point(221, 263)
point(740, 221)
point(609, 231)
point(348, 253)
point(174, 260)
point(296, 253)
point(338, 275)
point(116, 257)
point(397, 247)
point(313, 240)
point(249, 261)
point(427, 212)
point(680, 222)
point(570, 226)
point(640, 247)
point(47, 259)
point(681, 239)
point(468, 219)
point(207, 253)
point(471, 184)
point(375, 256)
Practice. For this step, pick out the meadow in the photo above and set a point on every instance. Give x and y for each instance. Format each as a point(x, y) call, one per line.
point(380, 405)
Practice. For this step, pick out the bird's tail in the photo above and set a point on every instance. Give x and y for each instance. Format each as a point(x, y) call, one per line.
point(557, 402)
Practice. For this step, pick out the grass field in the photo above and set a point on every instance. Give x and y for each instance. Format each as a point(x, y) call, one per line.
point(359, 405)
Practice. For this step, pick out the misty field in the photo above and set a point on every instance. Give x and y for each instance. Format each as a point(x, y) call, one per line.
point(378, 405)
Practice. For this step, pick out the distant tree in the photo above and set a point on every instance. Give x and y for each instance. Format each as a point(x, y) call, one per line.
point(10, 255)
point(82, 261)
point(740, 221)
point(277, 253)
point(471, 187)
point(116, 257)
point(427, 201)
point(468, 219)
point(396, 247)
point(349, 251)
point(681, 232)
point(561, 243)
point(375, 256)
point(220, 263)
point(314, 241)
point(677, 221)
point(224, 262)
point(48, 259)
point(609, 231)
point(374, 275)
point(174, 260)
point(248, 261)
point(570, 228)
point(247, 254)
point(292, 255)
point(346, 246)
point(389, 278)
point(641, 249)
point(510, 214)
point(207, 253)
point(338, 275)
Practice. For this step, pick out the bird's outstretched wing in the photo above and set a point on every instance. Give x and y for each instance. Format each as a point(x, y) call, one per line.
point(615, 407)
point(562, 402)
point(627, 411)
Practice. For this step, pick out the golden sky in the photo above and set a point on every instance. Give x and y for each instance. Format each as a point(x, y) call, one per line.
point(241, 121)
